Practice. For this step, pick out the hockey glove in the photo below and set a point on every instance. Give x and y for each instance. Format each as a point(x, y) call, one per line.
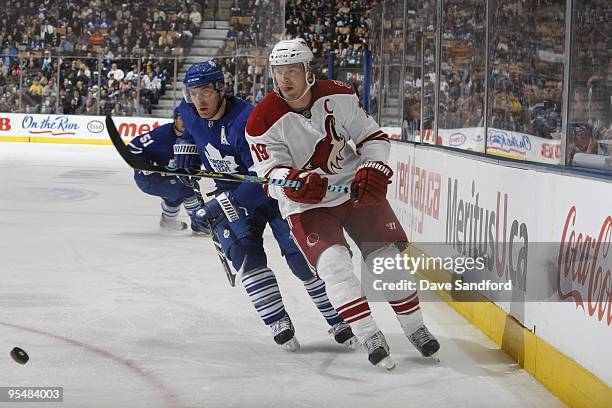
point(186, 155)
point(312, 187)
point(369, 187)
point(188, 180)
point(217, 211)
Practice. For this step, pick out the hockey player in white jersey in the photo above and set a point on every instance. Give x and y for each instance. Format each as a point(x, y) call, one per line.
point(301, 132)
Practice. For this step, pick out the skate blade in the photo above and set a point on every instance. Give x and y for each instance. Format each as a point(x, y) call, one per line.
point(172, 230)
point(434, 357)
point(352, 343)
point(387, 363)
point(292, 345)
point(173, 227)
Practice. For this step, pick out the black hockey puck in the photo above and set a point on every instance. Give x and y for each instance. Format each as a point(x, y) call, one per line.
point(19, 355)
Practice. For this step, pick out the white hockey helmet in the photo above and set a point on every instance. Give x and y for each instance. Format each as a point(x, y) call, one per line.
point(294, 51)
point(287, 52)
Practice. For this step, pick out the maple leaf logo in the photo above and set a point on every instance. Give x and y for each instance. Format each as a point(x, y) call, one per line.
point(219, 163)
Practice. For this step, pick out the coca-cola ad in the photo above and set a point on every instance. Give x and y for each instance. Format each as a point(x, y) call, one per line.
point(584, 267)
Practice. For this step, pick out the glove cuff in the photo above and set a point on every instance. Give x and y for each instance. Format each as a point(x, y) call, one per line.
point(376, 165)
point(277, 191)
point(227, 207)
point(185, 148)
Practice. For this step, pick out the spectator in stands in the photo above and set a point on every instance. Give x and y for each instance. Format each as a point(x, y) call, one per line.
point(235, 10)
point(5, 105)
point(35, 92)
point(3, 81)
point(49, 87)
point(599, 112)
point(79, 28)
point(97, 39)
point(582, 141)
point(412, 115)
point(195, 17)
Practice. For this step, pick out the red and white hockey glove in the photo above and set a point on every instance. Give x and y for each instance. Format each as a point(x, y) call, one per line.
point(311, 190)
point(369, 187)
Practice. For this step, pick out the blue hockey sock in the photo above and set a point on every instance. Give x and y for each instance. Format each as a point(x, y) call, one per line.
point(190, 204)
point(316, 289)
point(170, 211)
point(314, 286)
point(261, 286)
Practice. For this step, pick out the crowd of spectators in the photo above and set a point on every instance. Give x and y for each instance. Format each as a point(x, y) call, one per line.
point(526, 66)
point(526, 69)
point(254, 26)
point(100, 42)
point(591, 100)
point(341, 27)
point(91, 49)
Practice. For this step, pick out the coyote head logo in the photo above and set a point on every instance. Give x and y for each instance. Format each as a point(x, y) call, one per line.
point(328, 151)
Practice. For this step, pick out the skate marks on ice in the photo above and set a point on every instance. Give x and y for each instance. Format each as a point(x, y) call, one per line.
point(51, 194)
point(87, 174)
point(109, 281)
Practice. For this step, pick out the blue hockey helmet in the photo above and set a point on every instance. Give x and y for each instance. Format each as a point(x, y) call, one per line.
point(202, 73)
point(178, 125)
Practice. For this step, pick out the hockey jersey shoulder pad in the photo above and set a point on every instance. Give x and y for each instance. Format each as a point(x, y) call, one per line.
point(325, 87)
point(266, 113)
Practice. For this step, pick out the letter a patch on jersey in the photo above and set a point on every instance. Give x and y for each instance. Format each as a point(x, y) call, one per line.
point(224, 137)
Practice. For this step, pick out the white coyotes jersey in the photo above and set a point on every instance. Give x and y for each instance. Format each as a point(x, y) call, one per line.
point(333, 137)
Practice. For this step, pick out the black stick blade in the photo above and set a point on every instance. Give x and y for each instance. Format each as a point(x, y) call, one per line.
point(132, 160)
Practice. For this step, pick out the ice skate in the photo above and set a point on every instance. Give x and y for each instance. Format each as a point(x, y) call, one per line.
point(197, 230)
point(378, 351)
point(344, 335)
point(172, 224)
point(284, 334)
point(425, 342)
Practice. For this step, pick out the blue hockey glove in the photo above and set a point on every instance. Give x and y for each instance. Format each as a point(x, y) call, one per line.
point(217, 211)
point(186, 155)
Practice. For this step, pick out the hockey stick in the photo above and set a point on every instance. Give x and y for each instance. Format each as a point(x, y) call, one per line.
point(139, 164)
point(231, 275)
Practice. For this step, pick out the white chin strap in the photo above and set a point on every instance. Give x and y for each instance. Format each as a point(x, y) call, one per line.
point(308, 83)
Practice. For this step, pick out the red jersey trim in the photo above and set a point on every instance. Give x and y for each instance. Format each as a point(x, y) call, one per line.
point(325, 87)
point(378, 135)
point(266, 113)
point(272, 108)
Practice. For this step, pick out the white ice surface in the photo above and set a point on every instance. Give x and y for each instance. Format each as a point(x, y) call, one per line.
point(123, 315)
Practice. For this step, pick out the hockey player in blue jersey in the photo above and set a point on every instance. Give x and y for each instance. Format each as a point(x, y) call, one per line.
point(156, 147)
point(214, 136)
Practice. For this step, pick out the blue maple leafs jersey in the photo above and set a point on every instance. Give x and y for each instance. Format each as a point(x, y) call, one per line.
point(223, 148)
point(155, 147)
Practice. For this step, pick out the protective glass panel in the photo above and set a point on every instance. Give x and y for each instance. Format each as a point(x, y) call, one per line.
point(419, 23)
point(392, 65)
point(28, 82)
point(462, 75)
point(526, 52)
point(590, 112)
point(376, 18)
point(429, 85)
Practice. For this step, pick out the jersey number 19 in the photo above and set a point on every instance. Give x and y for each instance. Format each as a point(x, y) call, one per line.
point(260, 151)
